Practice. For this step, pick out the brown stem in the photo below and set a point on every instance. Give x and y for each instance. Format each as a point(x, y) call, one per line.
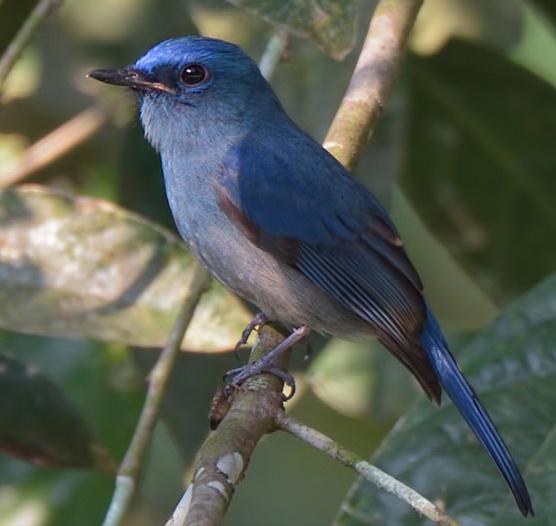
point(369, 472)
point(372, 79)
point(54, 145)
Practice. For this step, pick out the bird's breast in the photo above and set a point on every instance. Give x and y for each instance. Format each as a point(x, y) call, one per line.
point(279, 290)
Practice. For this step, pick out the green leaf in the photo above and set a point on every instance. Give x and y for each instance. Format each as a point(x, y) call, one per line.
point(512, 365)
point(479, 166)
point(328, 23)
point(360, 379)
point(548, 7)
point(84, 267)
point(40, 425)
point(102, 383)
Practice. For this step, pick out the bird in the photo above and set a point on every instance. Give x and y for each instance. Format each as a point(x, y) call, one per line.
point(280, 222)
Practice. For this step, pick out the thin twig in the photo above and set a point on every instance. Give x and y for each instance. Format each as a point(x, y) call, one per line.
point(273, 53)
point(367, 471)
point(16, 46)
point(372, 79)
point(130, 468)
point(54, 145)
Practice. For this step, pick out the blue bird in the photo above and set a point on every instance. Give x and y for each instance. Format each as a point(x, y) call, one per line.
point(280, 221)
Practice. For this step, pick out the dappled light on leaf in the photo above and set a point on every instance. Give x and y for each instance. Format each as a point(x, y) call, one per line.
point(84, 267)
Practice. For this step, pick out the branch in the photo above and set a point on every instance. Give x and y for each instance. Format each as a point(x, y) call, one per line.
point(12, 52)
point(367, 471)
point(130, 468)
point(223, 458)
point(372, 79)
point(54, 145)
point(273, 53)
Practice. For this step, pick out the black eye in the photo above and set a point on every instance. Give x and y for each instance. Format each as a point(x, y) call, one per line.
point(194, 75)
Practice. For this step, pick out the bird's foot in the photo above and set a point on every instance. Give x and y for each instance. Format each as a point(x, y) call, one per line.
point(259, 320)
point(266, 364)
point(236, 377)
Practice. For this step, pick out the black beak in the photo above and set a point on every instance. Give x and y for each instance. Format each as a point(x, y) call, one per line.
point(129, 78)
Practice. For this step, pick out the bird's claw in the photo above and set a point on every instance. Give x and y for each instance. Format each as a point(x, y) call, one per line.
point(259, 319)
point(236, 377)
point(266, 364)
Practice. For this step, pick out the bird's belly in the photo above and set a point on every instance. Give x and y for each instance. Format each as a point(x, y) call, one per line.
point(278, 290)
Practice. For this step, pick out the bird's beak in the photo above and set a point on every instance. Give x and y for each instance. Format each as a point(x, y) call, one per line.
point(129, 78)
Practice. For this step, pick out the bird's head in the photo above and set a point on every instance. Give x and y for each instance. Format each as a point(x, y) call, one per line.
point(193, 86)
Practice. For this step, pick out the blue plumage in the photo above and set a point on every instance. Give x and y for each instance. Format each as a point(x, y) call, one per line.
point(278, 220)
point(466, 400)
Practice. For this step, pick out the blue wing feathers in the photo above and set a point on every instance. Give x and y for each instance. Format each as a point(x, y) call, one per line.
point(305, 208)
point(317, 218)
point(469, 405)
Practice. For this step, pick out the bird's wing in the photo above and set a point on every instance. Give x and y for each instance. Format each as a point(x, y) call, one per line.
point(302, 206)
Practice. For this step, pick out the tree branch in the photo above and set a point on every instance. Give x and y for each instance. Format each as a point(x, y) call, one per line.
point(223, 458)
point(130, 468)
point(12, 52)
point(367, 471)
point(372, 79)
point(54, 145)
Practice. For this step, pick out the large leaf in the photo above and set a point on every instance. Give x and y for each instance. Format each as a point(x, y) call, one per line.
point(40, 425)
point(83, 267)
point(100, 381)
point(512, 365)
point(480, 163)
point(329, 23)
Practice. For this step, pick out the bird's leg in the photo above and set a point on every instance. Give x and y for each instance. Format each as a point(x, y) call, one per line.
point(265, 364)
point(259, 319)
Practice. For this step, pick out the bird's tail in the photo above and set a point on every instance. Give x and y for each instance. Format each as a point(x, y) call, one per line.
point(469, 405)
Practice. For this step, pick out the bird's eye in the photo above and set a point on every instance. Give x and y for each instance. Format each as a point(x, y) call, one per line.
point(194, 75)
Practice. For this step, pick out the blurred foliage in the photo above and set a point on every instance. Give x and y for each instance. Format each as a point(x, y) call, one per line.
point(104, 388)
point(548, 7)
point(484, 182)
point(512, 366)
point(468, 134)
point(495, 23)
point(330, 24)
point(50, 431)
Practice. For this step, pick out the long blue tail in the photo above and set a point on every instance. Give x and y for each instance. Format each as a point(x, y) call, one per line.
point(469, 405)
